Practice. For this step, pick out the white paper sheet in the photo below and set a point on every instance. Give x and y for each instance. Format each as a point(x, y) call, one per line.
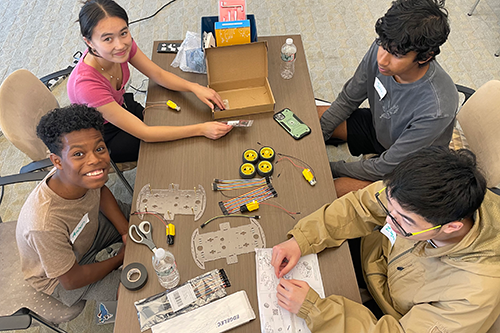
point(219, 316)
point(273, 318)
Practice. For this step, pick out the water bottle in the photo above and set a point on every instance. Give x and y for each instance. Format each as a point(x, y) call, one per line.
point(288, 51)
point(166, 268)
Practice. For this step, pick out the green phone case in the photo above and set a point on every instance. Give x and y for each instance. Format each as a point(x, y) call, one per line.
point(292, 124)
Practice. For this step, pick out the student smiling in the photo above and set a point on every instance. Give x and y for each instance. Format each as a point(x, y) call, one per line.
point(100, 76)
point(71, 215)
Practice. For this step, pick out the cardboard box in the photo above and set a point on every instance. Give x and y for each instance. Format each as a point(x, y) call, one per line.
point(239, 74)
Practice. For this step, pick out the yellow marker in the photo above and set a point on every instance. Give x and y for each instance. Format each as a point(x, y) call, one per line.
point(172, 105)
point(309, 176)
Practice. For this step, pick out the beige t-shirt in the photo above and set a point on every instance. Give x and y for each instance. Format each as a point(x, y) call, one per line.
point(52, 234)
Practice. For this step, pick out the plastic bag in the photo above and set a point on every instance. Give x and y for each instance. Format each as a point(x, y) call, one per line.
point(190, 57)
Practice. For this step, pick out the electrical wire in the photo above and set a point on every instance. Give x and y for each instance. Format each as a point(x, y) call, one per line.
point(148, 17)
point(282, 208)
point(138, 90)
point(158, 216)
point(232, 215)
point(284, 157)
point(295, 158)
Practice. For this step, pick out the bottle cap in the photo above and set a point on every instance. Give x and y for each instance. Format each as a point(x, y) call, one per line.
point(160, 253)
point(289, 41)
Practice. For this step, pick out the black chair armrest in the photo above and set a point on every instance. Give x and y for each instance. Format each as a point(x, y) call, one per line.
point(465, 90)
point(56, 75)
point(17, 321)
point(24, 177)
point(35, 166)
point(495, 190)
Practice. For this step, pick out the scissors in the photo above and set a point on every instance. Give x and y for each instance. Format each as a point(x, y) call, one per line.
point(145, 237)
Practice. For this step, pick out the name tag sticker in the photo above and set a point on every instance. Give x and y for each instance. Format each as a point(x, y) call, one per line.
point(83, 222)
point(379, 87)
point(389, 233)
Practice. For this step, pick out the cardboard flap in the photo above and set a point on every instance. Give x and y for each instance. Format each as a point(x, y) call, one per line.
point(236, 62)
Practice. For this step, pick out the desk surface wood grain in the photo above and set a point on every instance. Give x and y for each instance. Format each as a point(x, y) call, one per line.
point(197, 161)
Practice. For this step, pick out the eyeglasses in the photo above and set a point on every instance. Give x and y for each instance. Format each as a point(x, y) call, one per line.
point(400, 228)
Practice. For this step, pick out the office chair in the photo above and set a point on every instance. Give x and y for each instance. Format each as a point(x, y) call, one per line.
point(24, 99)
point(469, 13)
point(20, 304)
point(479, 118)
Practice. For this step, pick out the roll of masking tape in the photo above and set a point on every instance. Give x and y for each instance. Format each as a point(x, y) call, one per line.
point(134, 276)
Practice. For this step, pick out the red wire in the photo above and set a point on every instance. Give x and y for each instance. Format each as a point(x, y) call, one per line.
point(154, 214)
point(289, 212)
point(298, 166)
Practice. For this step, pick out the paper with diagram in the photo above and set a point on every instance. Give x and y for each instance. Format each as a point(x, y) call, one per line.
point(273, 318)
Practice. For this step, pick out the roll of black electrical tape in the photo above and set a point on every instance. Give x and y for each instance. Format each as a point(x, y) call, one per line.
point(134, 276)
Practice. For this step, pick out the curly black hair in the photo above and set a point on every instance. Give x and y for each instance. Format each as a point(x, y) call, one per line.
point(439, 184)
point(414, 25)
point(61, 121)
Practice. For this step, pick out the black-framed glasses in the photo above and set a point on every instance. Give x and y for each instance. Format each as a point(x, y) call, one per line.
point(400, 228)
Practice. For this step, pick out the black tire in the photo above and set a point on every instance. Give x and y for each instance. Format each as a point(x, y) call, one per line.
point(247, 170)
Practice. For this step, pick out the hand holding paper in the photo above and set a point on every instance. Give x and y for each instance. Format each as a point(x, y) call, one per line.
point(291, 294)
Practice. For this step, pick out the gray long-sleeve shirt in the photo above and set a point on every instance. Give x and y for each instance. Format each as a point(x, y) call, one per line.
point(409, 117)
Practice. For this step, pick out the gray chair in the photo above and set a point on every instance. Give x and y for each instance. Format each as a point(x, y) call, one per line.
point(20, 304)
point(497, 53)
point(479, 118)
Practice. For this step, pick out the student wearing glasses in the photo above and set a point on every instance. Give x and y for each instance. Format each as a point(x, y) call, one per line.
point(430, 251)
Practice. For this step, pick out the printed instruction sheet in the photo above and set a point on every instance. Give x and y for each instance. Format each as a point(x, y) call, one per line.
point(273, 318)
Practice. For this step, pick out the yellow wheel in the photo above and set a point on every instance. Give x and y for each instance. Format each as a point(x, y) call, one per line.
point(266, 154)
point(250, 156)
point(247, 170)
point(265, 168)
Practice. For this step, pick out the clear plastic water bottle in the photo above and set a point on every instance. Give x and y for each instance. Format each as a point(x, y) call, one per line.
point(288, 51)
point(166, 268)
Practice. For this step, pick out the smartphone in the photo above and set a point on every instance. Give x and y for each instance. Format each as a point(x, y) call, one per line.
point(292, 124)
point(168, 47)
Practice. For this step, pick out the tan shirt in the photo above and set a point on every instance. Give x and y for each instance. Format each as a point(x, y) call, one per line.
point(44, 230)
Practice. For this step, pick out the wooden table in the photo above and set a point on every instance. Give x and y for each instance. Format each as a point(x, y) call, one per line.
point(195, 161)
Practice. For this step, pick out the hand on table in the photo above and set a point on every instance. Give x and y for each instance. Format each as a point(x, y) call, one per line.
point(285, 257)
point(214, 129)
point(291, 294)
point(206, 95)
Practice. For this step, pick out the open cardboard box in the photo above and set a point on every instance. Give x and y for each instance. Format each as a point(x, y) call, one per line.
point(239, 74)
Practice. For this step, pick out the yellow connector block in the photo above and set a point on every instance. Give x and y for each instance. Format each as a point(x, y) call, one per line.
point(251, 206)
point(171, 229)
point(309, 176)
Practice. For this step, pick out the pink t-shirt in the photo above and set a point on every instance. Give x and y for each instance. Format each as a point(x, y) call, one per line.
point(86, 85)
